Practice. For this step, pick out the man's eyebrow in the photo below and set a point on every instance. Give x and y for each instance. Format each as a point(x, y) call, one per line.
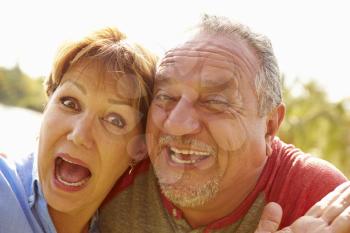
point(78, 85)
point(218, 85)
point(163, 79)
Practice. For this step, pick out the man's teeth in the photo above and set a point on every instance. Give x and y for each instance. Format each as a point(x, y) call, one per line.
point(177, 160)
point(189, 152)
point(75, 184)
point(191, 156)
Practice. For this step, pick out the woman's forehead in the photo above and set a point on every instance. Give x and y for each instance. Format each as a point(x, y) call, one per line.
point(97, 76)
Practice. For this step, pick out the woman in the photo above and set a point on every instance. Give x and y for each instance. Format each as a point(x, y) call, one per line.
point(98, 95)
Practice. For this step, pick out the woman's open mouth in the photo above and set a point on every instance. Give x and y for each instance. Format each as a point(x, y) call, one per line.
point(71, 174)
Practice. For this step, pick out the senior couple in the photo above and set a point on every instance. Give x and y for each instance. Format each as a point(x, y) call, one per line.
point(214, 163)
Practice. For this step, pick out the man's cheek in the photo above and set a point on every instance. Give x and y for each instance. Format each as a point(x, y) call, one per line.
point(155, 121)
point(156, 118)
point(229, 134)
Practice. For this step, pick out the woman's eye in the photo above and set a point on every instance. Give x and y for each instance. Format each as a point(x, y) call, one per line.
point(70, 102)
point(116, 120)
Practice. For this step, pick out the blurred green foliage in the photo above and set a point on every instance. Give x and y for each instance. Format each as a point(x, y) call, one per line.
point(317, 125)
point(16, 88)
point(312, 123)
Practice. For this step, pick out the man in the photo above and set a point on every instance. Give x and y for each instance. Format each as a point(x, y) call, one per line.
point(211, 137)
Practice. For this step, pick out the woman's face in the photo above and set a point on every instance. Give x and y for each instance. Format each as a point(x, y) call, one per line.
point(88, 134)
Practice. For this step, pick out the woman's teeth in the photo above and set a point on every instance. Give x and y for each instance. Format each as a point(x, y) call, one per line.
point(74, 184)
point(70, 173)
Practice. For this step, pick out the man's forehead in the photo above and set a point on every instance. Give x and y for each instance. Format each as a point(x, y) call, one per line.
point(209, 56)
point(206, 70)
point(226, 45)
point(208, 77)
point(184, 60)
point(207, 66)
point(201, 50)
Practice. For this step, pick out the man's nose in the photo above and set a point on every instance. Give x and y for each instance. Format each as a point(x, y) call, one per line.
point(182, 119)
point(81, 131)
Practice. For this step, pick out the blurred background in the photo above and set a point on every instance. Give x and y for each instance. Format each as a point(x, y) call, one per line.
point(310, 39)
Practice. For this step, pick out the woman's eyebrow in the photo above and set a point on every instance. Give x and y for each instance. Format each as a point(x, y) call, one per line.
point(78, 85)
point(120, 102)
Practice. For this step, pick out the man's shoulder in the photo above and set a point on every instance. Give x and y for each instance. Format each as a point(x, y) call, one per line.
point(137, 185)
point(293, 162)
point(135, 205)
point(127, 180)
point(300, 180)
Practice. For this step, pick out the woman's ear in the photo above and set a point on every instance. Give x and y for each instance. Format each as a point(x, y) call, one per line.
point(137, 148)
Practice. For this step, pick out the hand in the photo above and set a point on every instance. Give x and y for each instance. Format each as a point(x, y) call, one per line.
point(330, 215)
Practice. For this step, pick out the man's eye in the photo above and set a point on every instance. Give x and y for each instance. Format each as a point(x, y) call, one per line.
point(165, 101)
point(163, 97)
point(216, 101)
point(70, 102)
point(213, 104)
point(116, 120)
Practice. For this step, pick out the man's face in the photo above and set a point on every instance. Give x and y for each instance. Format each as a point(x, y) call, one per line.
point(204, 134)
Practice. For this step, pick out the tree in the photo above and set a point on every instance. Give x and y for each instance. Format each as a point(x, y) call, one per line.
point(16, 88)
point(316, 125)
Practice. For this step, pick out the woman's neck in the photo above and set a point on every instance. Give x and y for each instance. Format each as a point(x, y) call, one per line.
point(71, 223)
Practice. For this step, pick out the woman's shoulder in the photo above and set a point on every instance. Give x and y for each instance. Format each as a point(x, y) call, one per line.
point(16, 163)
point(7, 165)
point(15, 173)
point(15, 181)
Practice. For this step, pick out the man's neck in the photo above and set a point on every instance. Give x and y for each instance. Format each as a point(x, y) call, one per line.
point(224, 204)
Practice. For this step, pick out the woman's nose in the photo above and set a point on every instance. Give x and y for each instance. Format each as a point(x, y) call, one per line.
point(81, 131)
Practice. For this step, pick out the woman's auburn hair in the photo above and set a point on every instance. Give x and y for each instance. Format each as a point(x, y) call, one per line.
point(110, 48)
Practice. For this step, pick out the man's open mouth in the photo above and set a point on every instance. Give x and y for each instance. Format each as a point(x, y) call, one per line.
point(187, 156)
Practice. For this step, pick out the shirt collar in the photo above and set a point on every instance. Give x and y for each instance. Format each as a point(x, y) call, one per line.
point(35, 190)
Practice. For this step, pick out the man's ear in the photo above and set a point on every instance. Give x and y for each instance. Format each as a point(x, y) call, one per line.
point(274, 121)
point(137, 148)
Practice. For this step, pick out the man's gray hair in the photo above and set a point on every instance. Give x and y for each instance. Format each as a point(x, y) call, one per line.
point(267, 81)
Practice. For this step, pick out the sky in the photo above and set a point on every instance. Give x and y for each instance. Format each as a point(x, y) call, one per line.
point(311, 38)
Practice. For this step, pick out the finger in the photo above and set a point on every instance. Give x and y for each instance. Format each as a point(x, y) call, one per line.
point(317, 209)
point(285, 230)
point(337, 206)
point(342, 223)
point(308, 224)
point(270, 218)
